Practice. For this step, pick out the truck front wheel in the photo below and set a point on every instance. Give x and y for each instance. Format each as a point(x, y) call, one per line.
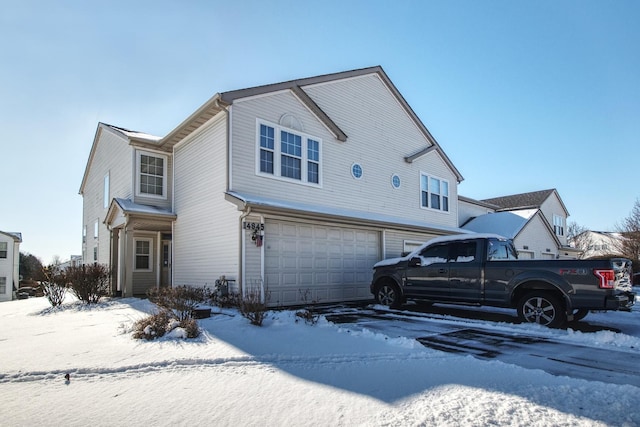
point(388, 294)
point(543, 308)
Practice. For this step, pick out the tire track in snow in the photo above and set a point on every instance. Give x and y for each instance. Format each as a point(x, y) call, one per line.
point(267, 361)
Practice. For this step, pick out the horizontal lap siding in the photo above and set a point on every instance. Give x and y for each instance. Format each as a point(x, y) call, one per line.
point(205, 239)
point(537, 237)
point(394, 241)
point(380, 135)
point(113, 155)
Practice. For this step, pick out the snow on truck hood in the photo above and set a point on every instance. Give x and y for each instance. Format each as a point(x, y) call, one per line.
point(441, 239)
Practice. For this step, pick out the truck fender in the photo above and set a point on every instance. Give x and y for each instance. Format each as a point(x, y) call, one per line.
point(543, 280)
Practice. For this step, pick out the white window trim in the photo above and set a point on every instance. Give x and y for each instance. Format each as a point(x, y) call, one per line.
point(135, 254)
point(562, 224)
point(139, 154)
point(304, 163)
point(429, 208)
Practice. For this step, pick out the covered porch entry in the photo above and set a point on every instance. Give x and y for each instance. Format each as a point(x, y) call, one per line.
point(140, 247)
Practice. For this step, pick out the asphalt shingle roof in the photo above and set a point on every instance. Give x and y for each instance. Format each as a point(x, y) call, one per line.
point(521, 201)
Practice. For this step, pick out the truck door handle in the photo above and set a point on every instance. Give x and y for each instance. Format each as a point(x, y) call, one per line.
point(442, 271)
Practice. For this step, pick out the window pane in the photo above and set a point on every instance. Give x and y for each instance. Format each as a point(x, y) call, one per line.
point(435, 186)
point(445, 204)
point(290, 167)
point(425, 199)
point(266, 161)
point(3, 249)
point(435, 201)
point(151, 175)
point(445, 188)
point(142, 262)
point(291, 144)
point(266, 137)
point(313, 150)
point(313, 175)
point(424, 186)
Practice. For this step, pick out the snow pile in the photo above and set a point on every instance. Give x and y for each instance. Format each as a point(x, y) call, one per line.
point(285, 373)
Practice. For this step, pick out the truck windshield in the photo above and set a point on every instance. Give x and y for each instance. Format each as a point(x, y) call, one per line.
point(501, 250)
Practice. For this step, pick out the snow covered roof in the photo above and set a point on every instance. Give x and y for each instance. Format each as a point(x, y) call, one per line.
point(16, 236)
point(507, 224)
point(134, 134)
point(251, 200)
point(128, 206)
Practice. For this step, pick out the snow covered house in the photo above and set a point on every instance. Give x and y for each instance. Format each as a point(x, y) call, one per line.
point(9, 264)
point(294, 189)
point(536, 221)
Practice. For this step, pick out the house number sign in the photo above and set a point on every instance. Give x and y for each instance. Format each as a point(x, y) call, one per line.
point(253, 226)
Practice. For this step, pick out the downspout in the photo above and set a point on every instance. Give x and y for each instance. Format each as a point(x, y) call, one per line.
point(242, 249)
point(262, 291)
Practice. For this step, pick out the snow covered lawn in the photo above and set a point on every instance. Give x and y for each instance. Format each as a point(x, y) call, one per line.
point(285, 373)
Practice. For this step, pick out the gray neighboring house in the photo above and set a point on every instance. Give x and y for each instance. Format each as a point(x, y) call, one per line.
point(293, 190)
point(536, 221)
point(9, 264)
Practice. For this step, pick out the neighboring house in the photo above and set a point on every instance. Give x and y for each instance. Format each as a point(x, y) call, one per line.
point(73, 261)
point(536, 221)
point(293, 190)
point(599, 244)
point(9, 264)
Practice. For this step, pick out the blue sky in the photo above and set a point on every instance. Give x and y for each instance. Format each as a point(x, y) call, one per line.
point(522, 96)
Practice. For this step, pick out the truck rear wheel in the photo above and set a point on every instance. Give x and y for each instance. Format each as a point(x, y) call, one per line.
point(388, 294)
point(543, 308)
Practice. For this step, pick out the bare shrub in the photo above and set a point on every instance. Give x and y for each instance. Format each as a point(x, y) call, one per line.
point(181, 300)
point(159, 324)
point(54, 286)
point(89, 282)
point(309, 314)
point(253, 307)
point(152, 327)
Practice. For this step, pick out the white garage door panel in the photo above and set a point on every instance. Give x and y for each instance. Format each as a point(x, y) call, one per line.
point(327, 263)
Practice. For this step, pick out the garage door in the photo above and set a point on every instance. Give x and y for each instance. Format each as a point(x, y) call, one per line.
point(317, 262)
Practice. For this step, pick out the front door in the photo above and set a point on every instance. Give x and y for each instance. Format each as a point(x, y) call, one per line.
point(165, 274)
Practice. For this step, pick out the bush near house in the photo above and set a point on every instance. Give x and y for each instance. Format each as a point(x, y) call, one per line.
point(181, 300)
point(163, 322)
point(54, 285)
point(89, 282)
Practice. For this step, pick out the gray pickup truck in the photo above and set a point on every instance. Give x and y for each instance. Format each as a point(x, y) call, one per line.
point(483, 269)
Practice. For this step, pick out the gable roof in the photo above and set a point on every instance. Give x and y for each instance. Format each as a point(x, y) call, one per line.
point(507, 224)
point(134, 138)
point(221, 101)
point(534, 199)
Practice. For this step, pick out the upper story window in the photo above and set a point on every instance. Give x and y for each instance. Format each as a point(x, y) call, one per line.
point(3, 249)
point(434, 193)
point(3, 285)
point(288, 154)
point(151, 175)
point(558, 225)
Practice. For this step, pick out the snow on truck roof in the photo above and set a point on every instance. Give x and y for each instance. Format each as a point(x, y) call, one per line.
point(441, 239)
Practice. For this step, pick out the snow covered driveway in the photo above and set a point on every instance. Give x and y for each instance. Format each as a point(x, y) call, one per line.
point(562, 353)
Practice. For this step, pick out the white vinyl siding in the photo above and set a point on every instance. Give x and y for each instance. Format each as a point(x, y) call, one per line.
point(395, 241)
point(379, 135)
point(537, 237)
point(113, 156)
point(206, 233)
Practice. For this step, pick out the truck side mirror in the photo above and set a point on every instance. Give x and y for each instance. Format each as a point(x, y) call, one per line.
point(415, 262)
